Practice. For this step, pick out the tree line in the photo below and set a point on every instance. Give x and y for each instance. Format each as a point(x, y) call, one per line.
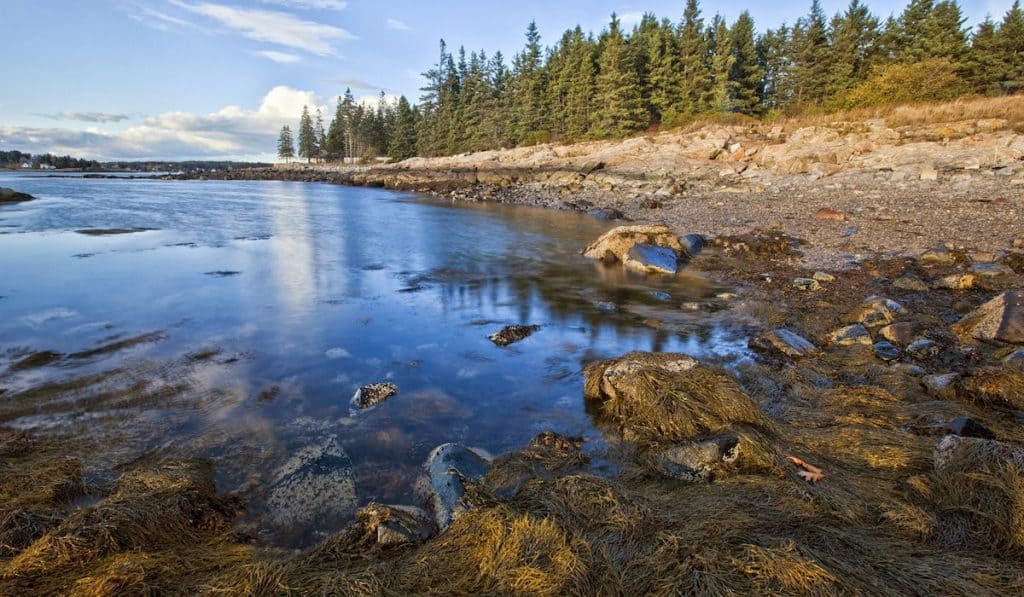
point(15, 158)
point(665, 74)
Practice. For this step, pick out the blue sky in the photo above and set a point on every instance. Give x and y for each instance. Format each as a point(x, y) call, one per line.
point(175, 79)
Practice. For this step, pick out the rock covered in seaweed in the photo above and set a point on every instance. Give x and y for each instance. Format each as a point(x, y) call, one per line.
point(511, 334)
point(373, 394)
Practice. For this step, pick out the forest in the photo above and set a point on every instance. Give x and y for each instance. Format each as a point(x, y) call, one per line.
point(664, 74)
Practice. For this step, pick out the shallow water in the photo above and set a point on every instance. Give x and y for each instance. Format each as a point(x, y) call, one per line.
point(299, 293)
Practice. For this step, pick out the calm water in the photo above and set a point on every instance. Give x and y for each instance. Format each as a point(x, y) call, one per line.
point(309, 291)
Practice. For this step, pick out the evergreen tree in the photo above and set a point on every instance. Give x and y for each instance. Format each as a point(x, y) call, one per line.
point(745, 75)
point(854, 48)
point(1011, 43)
point(307, 136)
point(285, 145)
point(664, 75)
point(619, 105)
point(719, 98)
point(528, 89)
point(985, 69)
point(773, 56)
point(694, 72)
point(811, 59)
point(402, 143)
point(945, 34)
point(339, 133)
point(320, 137)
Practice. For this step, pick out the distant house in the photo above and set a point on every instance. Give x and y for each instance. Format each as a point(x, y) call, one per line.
point(26, 163)
point(47, 167)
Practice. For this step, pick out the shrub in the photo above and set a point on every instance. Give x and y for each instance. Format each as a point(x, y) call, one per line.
point(926, 81)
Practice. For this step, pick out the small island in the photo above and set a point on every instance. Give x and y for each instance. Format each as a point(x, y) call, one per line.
point(8, 195)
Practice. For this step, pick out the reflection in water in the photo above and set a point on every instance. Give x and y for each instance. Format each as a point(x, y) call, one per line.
point(339, 287)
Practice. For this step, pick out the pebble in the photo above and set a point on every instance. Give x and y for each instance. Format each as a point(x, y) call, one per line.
point(824, 277)
point(886, 351)
point(806, 284)
point(955, 282)
point(851, 335)
point(910, 283)
point(923, 348)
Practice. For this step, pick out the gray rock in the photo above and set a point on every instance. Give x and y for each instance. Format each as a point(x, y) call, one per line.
point(693, 244)
point(660, 295)
point(373, 394)
point(910, 283)
point(785, 341)
point(1015, 360)
point(942, 386)
point(851, 335)
point(315, 484)
point(999, 320)
point(807, 284)
point(448, 467)
point(876, 311)
point(652, 259)
point(886, 351)
point(991, 270)
point(396, 525)
point(511, 334)
point(923, 348)
point(900, 334)
point(968, 427)
point(696, 461)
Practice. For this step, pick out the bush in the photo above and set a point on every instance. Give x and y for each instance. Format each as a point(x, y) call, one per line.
point(934, 80)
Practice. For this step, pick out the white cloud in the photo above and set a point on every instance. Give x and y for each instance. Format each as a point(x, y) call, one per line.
point(156, 19)
point(279, 57)
point(357, 84)
point(229, 133)
point(314, 4)
point(87, 116)
point(397, 25)
point(274, 27)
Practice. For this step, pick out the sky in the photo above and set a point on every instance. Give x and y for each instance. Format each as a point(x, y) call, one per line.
point(196, 79)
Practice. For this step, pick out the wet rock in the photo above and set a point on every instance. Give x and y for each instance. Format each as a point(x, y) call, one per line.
point(886, 351)
point(783, 341)
point(693, 244)
point(923, 348)
point(8, 195)
point(995, 386)
point(999, 320)
point(851, 335)
point(824, 277)
point(511, 334)
point(660, 295)
point(1014, 360)
point(606, 306)
point(900, 334)
point(395, 525)
point(652, 259)
point(942, 386)
point(910, 284)
point(614, 245)
point(695, 461)
point(606, 213)
point(876, 311)
point(448, 467)
point(954, 282)
point(968, 427)
point(373, 394)
point(315, 484)
point(806, 284)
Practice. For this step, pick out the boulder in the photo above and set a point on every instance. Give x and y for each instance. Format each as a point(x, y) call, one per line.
point(999, 320)
point(784, 341)
point(991, 270)
point(11, 196)
point(851, 335)
point(373, 394)
point(511, 334)
point(315, 484)
point(652, 259)
point(954, 282)
point(448, 467)
point(695, 461)
point(614, 245)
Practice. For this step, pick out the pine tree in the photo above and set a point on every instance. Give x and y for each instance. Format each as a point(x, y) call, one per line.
point(945, 34)
point(985, 69)
point(773, 56)
point(854, 48)
point(664, 78)
point(285, 145)
point(745, 75)
point(619, 105)
point(528, 89)
point(719, 97)
point(694, 72)
point(811, 59)
point(307, 136)
point(1011, 42)
point(320, 151)
point(402, 143)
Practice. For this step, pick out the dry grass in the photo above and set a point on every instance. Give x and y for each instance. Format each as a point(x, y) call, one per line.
point(1009, 108)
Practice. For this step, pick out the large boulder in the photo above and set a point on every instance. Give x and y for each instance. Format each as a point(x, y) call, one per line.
point(448, 467)
point(316, 484)
point(999, 320)
point(11, 196)
point(652, 259)
point(614, 245)
point(659, 398)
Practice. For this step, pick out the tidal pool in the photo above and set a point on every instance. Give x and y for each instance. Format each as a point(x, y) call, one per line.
point(248, 313)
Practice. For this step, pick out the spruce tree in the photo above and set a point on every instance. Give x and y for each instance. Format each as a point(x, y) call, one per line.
point(811, 59)
point(285, 145)
point(745, 75)
point(854, 46)
point(619, 104)
point(694, 73)
point(307, 136)
point(581, 86)
point(719, 97)
point(1011, 43)
point(985, 69)
point(402, 142)
point(664, 75)
point(773, 56)
point(528, 89)
point(320, 136)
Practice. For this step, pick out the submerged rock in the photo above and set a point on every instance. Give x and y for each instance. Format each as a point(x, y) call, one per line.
point(447, 468)
point(785, 341)
point(693, 244)
point(614, 245)
point(652, 259)
point(373, 394)
point(511, 334)
point(314, 485)
point(999, 320)
point(8, 195)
